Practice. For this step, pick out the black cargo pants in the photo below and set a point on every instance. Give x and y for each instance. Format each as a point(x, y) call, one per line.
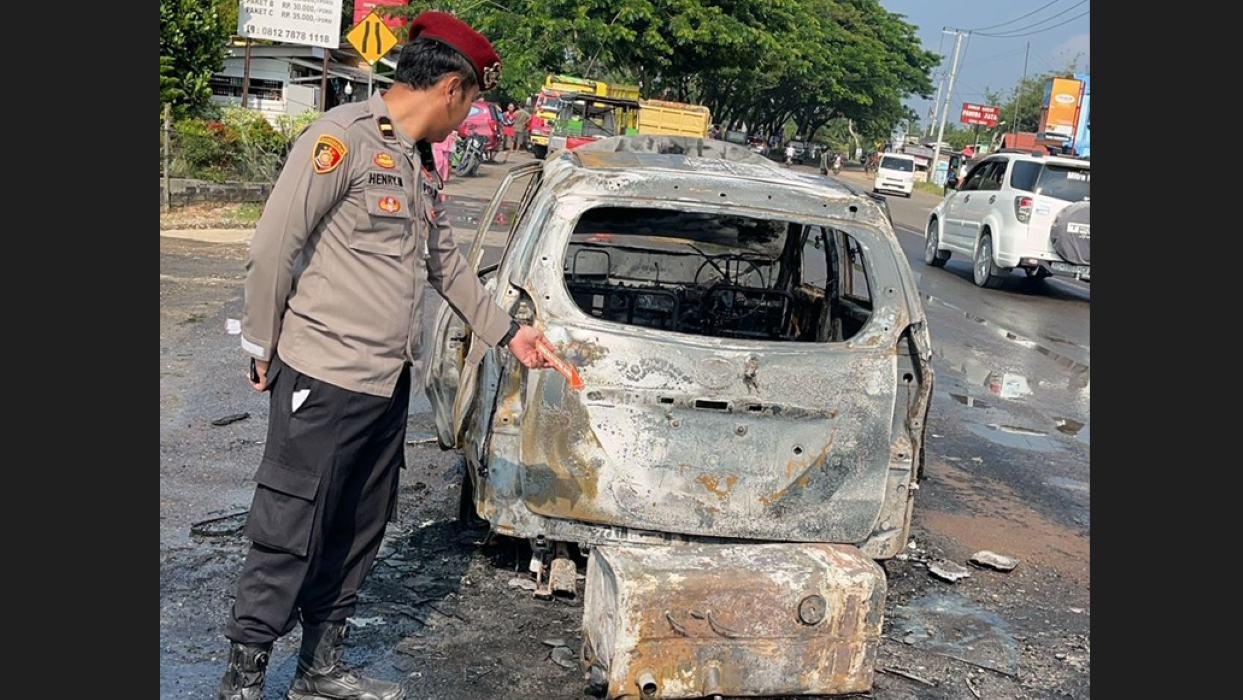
point(327, 487)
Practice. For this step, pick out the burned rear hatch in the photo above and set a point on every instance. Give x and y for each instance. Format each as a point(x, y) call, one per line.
point(741, 376)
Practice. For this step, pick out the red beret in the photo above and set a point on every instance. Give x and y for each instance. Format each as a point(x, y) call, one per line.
point(458, 35)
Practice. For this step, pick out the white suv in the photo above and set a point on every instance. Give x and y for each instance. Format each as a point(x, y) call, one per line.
point(1016, 209)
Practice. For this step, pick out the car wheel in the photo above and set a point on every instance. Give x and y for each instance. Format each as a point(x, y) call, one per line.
point(984, 271)
point(933, 255)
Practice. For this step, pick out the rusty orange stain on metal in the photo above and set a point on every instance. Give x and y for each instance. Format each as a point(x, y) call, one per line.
point(716, 488)
point(804, 469)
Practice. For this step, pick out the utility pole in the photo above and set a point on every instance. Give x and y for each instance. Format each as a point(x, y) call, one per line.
point(936, 107)
point(246, 76)
point(323, 83)
point(949, 97)
point(1018, 94)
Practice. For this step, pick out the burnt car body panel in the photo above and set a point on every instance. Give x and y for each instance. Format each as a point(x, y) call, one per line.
point(682, 436)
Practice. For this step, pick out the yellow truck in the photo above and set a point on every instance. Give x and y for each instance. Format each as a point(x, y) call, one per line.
point(548, 103)
point(658, 117)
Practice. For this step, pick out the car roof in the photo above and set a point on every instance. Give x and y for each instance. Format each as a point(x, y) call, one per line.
point(1028, 156)
point(665, 159)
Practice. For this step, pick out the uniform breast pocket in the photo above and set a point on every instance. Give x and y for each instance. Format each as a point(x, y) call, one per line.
point(383, 229)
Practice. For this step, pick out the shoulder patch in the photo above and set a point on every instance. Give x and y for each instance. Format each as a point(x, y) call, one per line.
point(327, 154)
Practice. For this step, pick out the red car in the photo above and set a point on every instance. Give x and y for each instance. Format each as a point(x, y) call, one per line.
point(484, 119)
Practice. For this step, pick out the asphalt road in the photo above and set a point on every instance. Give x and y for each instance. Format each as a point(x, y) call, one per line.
point(1008, 470)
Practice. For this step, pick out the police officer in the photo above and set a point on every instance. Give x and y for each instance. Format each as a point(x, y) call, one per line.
point(332, 321)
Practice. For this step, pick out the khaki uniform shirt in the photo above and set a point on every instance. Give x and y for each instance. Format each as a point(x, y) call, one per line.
point(333, 279)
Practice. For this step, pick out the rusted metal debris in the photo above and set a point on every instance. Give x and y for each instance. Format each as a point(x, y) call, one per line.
point(947, 570)
point(905, 674)
point(689, 621)
point(563, 578)
point(993, 560)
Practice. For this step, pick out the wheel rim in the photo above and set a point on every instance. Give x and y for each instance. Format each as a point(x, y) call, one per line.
point(983, 259)
point(931, 251)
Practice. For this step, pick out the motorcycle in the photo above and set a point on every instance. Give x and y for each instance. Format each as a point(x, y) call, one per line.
point(837, 166)
point(468, 153)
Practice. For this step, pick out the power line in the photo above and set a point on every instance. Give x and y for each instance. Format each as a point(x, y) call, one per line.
point(1038, 57)
point(1029, 14)
point(1038, 31)
point(1016, 32)
point(1038, 22)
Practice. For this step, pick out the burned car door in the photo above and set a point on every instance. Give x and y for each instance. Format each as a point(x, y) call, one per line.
point(451, 372)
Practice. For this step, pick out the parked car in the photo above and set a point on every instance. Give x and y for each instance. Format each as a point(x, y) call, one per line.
point(484, 119)
point(1016, 209)
point(749, 435)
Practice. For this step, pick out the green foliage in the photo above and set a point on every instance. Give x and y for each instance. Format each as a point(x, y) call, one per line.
point(765, 62)
point(240, 145)
point(192, 39)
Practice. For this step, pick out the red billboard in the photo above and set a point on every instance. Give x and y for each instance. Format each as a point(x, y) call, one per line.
point(979, 115)
point(362, 8)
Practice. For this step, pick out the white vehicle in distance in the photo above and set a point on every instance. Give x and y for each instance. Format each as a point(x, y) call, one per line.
point(895, 173)
point(1016, 209)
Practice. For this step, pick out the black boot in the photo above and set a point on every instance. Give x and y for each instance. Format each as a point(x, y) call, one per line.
point(248, 667)
point(324, 675)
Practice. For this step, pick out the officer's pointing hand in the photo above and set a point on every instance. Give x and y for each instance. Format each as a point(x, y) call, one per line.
point(524, 347)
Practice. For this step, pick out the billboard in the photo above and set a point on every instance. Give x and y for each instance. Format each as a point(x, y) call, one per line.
point(1061, 108)
point(316, 23)
point(979, 115)
point(1083, 132)
point(362, 8)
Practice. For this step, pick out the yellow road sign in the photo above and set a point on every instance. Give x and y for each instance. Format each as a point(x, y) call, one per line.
point(372, 38)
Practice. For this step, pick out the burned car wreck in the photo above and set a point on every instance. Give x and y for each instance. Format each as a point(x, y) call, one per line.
point(750, 434)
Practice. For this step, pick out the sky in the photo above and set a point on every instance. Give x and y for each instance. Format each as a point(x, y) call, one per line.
point(996, 62)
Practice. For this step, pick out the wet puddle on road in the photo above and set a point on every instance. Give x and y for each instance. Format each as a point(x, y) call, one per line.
point(1016, 437)
point(1057, 357)
point(953, 625)
point(1062, 482)
point(1073, 428)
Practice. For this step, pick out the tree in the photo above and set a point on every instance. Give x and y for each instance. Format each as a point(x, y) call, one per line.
point(227, 10)
point(1027, 95)
point(192, 43)
point(765, 62)
point(170, 86)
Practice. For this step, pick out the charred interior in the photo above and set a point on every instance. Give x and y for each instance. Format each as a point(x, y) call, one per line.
point(718, 275)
